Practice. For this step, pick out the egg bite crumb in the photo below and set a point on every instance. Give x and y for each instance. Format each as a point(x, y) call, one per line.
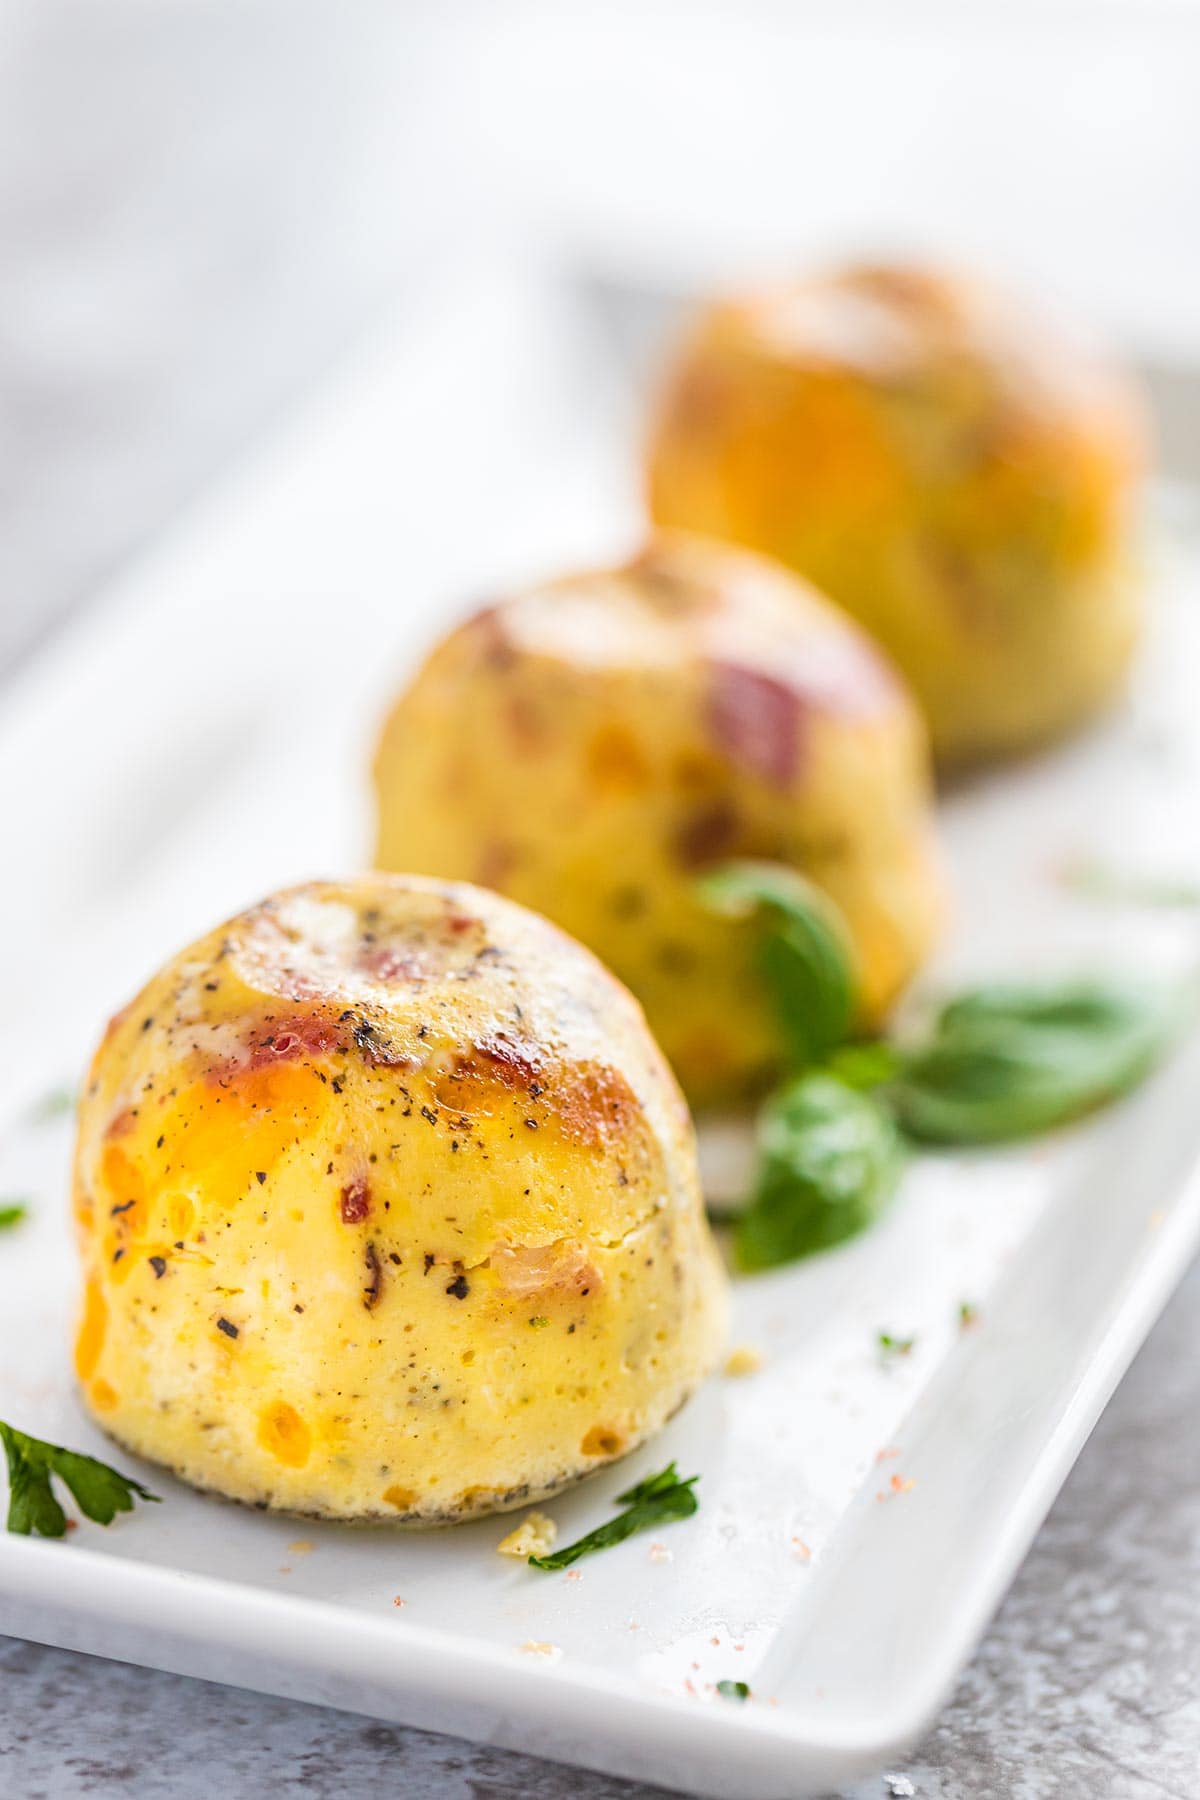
point(534, 1536)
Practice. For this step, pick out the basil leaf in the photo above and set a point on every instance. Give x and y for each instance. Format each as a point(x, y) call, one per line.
point(829, 1161)
point(655, 1501)
point(99, 1492)
point(804, 953)
point(1009, 1062)
point(866, 1065)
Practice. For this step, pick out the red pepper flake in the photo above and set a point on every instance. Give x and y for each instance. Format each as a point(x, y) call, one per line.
point(312, 1034)
point(756, 719)
point(285, 1041)
point(389, 962)
point(356, 1201)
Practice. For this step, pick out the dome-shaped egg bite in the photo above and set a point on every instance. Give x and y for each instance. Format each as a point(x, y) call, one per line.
point(958, 473)
point(388, 1209)
point(591, 746)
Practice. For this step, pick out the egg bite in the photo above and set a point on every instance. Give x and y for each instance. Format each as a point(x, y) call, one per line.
point(388, 1210)
point(943, 462)
point(591, 746)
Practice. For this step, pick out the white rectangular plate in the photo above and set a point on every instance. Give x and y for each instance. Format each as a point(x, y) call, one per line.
point(201, 737)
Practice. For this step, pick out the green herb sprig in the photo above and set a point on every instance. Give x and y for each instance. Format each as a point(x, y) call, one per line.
point(99, 1492)
point(658, 1500)
point(734, 1690)
point(12, 1212)
point(1000, 1063)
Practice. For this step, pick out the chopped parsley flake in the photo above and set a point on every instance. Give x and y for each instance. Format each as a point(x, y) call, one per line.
point(655, 1501)
point(53, 1105)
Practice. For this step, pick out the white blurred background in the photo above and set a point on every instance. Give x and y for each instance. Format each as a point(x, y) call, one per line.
point(204, 202)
